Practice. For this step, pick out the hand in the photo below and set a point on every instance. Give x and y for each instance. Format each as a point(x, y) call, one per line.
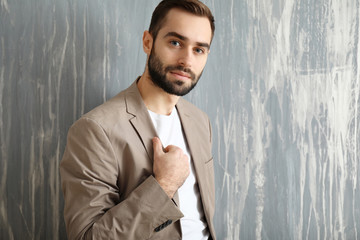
point(171, 167)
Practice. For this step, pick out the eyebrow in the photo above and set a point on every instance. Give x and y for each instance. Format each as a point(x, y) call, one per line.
point(181, 37)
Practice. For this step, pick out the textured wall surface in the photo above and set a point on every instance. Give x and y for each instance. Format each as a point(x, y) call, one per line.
point(281, 87)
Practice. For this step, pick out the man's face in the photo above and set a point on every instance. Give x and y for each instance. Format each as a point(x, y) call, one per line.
point(179, 53)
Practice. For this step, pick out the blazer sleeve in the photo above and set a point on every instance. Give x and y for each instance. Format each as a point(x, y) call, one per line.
point(89, 176)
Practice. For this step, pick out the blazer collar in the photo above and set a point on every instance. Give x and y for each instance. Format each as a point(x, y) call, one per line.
point(140, 118)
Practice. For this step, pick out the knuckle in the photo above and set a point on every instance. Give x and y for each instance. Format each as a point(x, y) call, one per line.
point(179, 151)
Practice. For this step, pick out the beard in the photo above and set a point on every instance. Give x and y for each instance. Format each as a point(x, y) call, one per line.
point(158, 72)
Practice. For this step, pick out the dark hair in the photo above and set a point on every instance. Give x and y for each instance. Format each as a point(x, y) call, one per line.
point(195, 7)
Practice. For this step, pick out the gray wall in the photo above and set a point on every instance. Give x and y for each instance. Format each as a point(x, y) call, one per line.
point(281, 88)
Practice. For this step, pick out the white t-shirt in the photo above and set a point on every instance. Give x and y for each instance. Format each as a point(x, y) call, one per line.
point(193, 224)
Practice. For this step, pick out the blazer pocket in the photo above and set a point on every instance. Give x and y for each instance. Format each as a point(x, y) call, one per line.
point(208, 161)
point(209, 166)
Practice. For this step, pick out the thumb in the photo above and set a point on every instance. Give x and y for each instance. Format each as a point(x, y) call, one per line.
point(157, 145)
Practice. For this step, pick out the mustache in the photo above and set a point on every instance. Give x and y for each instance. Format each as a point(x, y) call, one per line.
point(180, 68)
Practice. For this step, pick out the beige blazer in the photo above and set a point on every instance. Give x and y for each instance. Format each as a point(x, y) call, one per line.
point(106, 172)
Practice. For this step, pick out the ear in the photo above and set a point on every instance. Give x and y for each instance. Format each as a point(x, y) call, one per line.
point(147, 42)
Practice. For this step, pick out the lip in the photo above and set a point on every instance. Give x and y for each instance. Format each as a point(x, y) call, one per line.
point(181, 74)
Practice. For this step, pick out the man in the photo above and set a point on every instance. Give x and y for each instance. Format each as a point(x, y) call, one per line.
point(119, 182)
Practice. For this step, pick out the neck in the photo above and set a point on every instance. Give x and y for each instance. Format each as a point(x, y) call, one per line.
point(155, 98)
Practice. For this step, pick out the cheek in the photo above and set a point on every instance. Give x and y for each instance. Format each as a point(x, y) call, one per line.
point(201, 65)
point(169, 58)
point(164, 53)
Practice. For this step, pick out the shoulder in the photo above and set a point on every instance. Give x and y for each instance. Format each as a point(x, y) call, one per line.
point(193, 116)
point(110, 114)
point(112, 110)
point(192, 110)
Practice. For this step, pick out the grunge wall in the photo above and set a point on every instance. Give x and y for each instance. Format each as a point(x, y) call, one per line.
point(281, 87)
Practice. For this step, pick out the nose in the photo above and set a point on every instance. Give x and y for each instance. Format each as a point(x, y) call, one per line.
point(185, 58)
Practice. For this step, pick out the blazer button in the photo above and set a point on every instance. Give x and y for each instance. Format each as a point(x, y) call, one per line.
point(159, 228)
point(162, 226)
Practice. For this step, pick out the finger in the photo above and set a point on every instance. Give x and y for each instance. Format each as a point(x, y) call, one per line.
point(173, 147)
point(157, 145)
point(167, 149)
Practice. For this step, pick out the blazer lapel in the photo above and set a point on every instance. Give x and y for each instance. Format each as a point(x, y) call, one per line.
point(195, 141)
point(140, 118)
point(196, 138)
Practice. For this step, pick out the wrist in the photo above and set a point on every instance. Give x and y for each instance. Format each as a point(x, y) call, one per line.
point(168, 189)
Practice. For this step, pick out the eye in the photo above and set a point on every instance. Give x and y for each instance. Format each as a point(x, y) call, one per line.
point(199, 50)
point(175, 43)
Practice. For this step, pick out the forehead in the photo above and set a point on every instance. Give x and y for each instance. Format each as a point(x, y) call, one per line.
point(195, 28)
